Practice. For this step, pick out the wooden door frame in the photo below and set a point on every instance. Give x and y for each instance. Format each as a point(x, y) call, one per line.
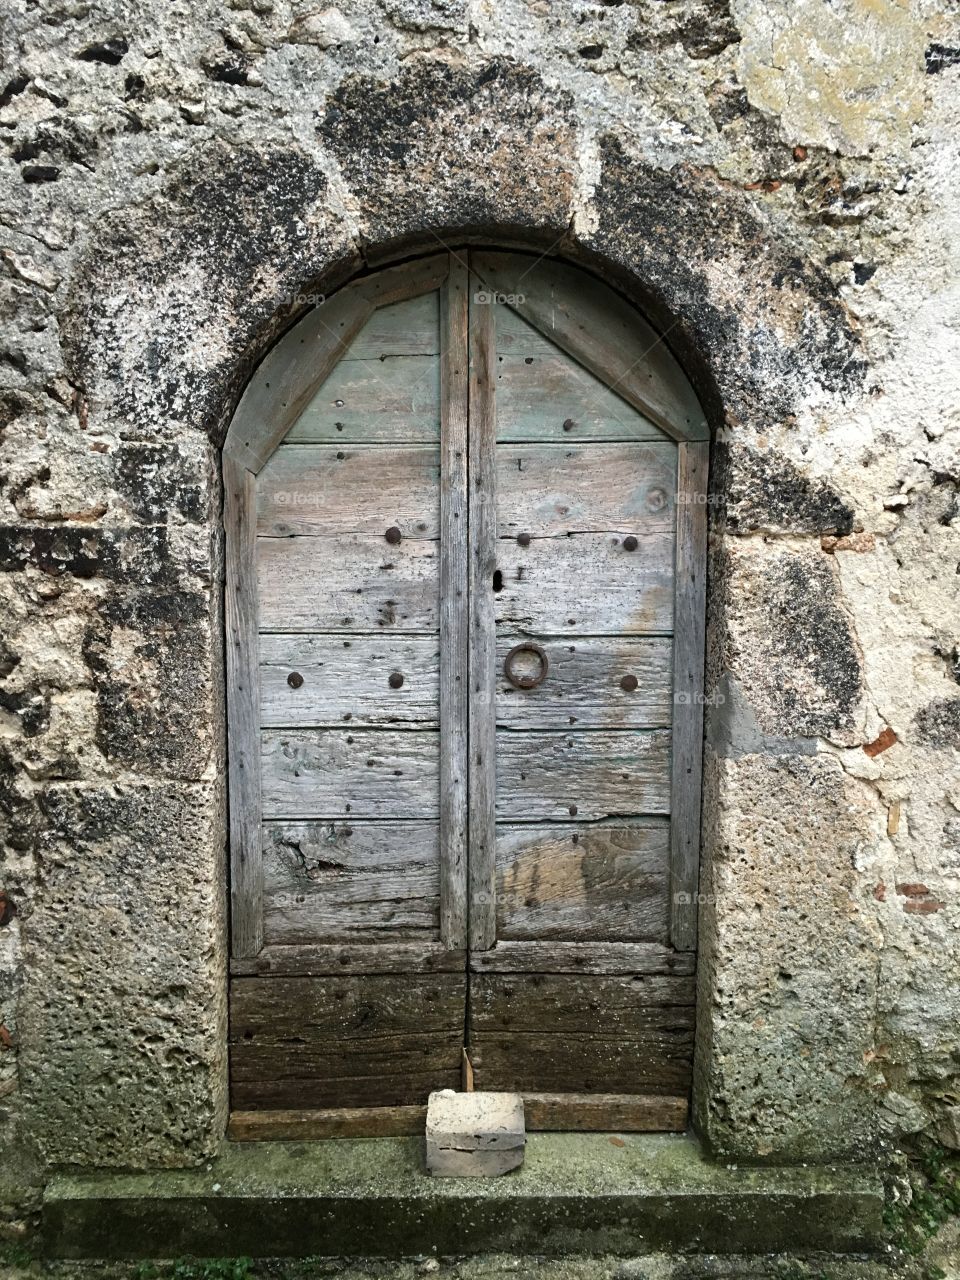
point(607, 336)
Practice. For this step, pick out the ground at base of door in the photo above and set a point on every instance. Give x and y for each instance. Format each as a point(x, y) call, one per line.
point(600, 1194)
point(821, 1266)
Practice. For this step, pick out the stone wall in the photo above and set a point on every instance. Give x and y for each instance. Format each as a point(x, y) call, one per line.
point(775, 182)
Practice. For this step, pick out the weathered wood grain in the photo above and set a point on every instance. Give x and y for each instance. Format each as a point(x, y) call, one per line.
point(553, 398)
point(389, 401)
point(582, 957)
point(346, 680)
point(344, 1041)
point(482, 630)
point(454, 575)
point(593, 883)
point(350, 881)
point(329, 773)
point(365, 489)
point(319, 1010)
point(631, 1006)
point(584, 775)
point(528, 1061)
point(600, 330)
point(605, 1112)
point(334, 1122)
point(548, 490)
point(243, 710)
point(318, 960)
point(589, 583)
point(392, 1078)
point(296, 370)
point(690, 613)
point(584, 684)
point(348, 583)
point(407, 328)
point(285, 382)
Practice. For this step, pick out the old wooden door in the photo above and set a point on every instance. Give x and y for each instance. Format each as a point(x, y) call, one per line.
point(465, 522)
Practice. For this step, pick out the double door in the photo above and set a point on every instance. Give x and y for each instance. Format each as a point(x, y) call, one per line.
point(464, 525)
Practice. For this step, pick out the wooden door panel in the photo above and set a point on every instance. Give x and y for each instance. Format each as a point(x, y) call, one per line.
point(593, 682)
point(409, 328)
point(350, 680)
point(591, 1034)
point(325, 489)
point(548, 490)
point(587, 584)
point(366, 1040)
point(348, 583)
point(582, 776)
point(391, 401)
point(351, 881)
point(331, 773)
point(543, 394)
point(387, 388)
point(571, 883)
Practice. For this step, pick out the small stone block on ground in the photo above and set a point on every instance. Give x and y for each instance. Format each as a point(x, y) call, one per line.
point(474, 1135)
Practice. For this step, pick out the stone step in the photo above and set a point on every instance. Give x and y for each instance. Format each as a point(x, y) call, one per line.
point(576, 1193)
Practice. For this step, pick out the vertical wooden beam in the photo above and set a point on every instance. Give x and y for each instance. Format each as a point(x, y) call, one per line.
point(482, 641)
point(454, 669)
point(688, 645)
point(243, 708)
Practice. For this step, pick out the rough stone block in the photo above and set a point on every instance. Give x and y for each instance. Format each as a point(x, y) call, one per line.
point(474, 1135)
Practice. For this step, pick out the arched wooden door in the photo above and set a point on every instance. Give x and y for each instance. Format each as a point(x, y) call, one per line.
point(465, 519)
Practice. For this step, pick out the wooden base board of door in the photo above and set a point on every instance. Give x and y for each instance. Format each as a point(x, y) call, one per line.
point(556, 1112)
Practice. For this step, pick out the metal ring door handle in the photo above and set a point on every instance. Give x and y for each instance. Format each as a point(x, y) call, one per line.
point(529, 681)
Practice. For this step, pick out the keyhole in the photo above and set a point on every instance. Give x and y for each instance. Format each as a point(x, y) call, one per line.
point(497, 580)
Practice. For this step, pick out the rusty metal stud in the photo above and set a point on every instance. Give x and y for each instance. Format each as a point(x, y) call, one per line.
point(526, 682)
point(393, 535)
point(523, 539)
point(396, 680)
point(630, 543)
point(294, 679)
point(629, 683)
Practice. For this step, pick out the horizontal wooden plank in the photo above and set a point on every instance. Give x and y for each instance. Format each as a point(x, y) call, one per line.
point(662, 1061)
point(350, 582)
point(351, 881)
point(331, 773)
point(321, 1010)
point(548, 490)
point(584, 775)
point(594, 682)
point(395, 400)
point(350, 679)
point(606, 1006)
point(582, 957)
point(331, 489)
point(319, 959)
point(333, 1122)
point(588, 583)
point(408, 328)
point(605, 1112)
point(583, 883)
point(396, 1080)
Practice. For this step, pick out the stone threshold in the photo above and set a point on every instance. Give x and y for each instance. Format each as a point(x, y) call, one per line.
point(576, 1193)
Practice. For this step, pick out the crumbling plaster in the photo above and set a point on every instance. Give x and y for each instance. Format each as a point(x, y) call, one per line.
point(776, 185)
